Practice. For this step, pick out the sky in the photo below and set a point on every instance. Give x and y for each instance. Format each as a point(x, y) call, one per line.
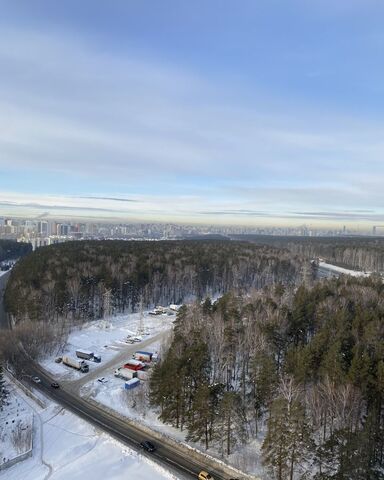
point(250, 112)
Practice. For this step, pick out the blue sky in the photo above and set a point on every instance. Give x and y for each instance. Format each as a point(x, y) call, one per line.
point(267, 112)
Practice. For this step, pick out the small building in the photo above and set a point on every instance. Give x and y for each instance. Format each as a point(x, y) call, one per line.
point(130, 384)
point(134, 365)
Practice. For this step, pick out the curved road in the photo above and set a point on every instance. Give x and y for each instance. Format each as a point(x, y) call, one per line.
point(125, 432)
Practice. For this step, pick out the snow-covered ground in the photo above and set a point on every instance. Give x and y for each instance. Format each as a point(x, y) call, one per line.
point(16, 420)
point(106, 338)
point(134, 404)
point(344, 271)
point(66, 447)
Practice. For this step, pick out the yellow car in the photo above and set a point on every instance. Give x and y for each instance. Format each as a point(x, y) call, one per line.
point(205, 476)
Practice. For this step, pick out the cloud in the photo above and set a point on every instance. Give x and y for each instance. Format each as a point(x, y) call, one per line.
point(133, 130)
point(114, 199)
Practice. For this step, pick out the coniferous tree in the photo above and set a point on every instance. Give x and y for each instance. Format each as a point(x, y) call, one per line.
point(288, 440)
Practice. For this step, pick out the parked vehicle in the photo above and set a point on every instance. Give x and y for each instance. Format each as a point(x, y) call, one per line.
point(74, 363)
point(36, 379)
point(88, 355)
point(148, 446)
point(203, 475)
point(143, 356)
point(85, 354)
point(55, 385)
point(125, 373)
point(102, 380)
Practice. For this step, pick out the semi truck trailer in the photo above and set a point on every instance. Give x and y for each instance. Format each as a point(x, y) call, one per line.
point(74, 363)
point(88, 355)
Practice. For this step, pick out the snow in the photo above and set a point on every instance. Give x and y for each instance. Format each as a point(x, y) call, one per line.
point(134, 404)
point(343, 271)
point(14, 414)
point(106, 338)
point(66, 447)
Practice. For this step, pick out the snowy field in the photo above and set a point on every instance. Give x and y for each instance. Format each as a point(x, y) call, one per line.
point(343, 271)
point(134, 404)
point(106, 338)
point(66, 447)
point(16, 420)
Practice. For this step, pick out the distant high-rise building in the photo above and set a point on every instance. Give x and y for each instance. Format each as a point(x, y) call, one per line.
point(42, 228)
point(62, 229)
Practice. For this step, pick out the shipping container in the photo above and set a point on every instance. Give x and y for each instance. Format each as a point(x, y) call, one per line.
point(125, 373)
point(143, 356)
point(134, 365)
point(135, 382)
point(142, 375)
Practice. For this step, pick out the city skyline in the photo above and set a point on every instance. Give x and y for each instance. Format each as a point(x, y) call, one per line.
point(253, 115)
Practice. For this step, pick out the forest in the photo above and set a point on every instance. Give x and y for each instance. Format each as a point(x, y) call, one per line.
point(10, 249)
point(357, 253)
point(299, 369)
point(71, 280)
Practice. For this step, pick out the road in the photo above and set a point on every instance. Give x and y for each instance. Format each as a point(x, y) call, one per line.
point(122, 430)
point(166, 454)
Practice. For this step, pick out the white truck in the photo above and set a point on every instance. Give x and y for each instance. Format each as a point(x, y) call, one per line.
point(125, 373)
point(74, 363)
point(88, 355)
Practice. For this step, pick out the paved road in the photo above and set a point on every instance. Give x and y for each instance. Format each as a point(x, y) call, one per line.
point(129, 434)
point(121, 430)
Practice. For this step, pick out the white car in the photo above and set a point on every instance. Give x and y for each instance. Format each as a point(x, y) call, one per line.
point(36, 379)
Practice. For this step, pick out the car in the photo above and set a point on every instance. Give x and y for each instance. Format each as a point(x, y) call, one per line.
point(102, 380)
point(36, 379)
point(148, 446)
point(203, 475)
point(55, 385)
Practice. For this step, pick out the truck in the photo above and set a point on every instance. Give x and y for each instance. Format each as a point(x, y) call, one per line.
point(88, 355)
point(74, 363)
point(143, 356)
point(125, 373)
point(135, 382)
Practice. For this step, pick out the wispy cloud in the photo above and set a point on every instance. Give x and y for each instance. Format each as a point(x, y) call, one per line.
point(133, 130)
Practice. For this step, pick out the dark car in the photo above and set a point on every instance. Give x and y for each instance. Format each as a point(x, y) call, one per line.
point(148, 446)
point(55, 385)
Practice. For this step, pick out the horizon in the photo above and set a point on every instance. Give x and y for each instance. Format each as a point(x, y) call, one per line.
point(193, 113)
